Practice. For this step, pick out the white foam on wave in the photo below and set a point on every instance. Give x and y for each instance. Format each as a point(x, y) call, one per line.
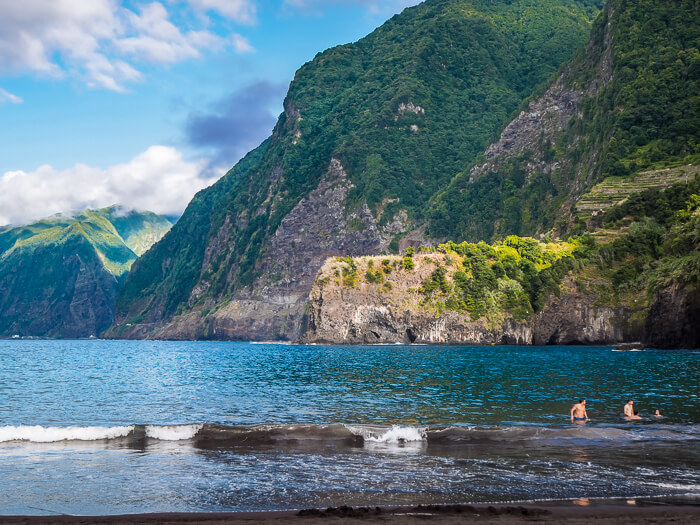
point(679, 486)
point(399, 434)
point(172, 432)
point(396, 434)
point(39, 434)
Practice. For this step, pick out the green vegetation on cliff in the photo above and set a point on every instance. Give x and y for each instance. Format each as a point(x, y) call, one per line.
point(403, 110)
point(59, 277)
point(647, 116)
point(515, 276)
point(636, 91)
point(657, 242)
point(630, 257)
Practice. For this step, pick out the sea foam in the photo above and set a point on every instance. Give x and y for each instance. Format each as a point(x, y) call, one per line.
point(395, 434)
point(399, 434)
point(172, 432)
point(39, 434)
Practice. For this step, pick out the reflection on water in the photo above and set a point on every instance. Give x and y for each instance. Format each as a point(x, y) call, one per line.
point(280, 426)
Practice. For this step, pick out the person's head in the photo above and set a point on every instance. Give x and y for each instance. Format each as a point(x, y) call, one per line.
point(658, 412)
point(636, 412)
point(630, 402)
point(582, 401)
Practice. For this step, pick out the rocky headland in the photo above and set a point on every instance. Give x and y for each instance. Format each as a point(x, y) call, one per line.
point(397, 310)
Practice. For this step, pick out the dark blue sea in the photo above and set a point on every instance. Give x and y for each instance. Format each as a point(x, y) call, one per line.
point(112, 427)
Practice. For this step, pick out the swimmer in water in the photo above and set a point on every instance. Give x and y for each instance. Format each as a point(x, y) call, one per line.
point(629, 411)
point(578, 412)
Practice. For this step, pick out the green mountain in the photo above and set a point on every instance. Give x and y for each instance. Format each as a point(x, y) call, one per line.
point(623, 115)
point(59, 277)
point(372, 132)
point(633, 276)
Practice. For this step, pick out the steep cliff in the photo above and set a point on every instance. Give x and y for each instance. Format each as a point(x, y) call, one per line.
point(634, 276)
point(371, 131)
point(674, 318)
point(59, 277)
point(518, 292)
point(625, 104)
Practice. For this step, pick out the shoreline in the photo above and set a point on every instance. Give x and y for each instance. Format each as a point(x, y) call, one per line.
point(601, 512)
point(611, 345)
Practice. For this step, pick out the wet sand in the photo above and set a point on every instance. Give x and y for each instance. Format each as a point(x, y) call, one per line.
point(655, 512)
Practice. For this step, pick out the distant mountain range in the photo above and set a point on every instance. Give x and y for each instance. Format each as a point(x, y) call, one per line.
point(59, 277)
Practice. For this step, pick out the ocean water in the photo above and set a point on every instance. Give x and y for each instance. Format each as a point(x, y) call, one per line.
point(111, 427)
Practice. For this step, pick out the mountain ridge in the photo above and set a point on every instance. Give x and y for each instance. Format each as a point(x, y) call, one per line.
point(380, 126)
point(625, 103)
point(59, 277)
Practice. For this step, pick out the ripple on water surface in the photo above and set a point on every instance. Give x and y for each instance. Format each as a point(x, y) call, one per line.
point(111, 426)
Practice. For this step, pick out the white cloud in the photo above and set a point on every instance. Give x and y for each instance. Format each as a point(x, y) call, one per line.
point(32, 31)
point(158, 180)
point(158, 40)
point(241, 44)
point(242, 11)
point(5, 96)
point(379, 7)
point(97, 39)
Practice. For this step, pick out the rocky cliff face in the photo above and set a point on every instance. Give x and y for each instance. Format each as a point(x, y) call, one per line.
point(573, 318)
point(549, 116)
point(545, 158)
point(674, 318)
point(380, 313)
point(370, 132)
point(318, 227)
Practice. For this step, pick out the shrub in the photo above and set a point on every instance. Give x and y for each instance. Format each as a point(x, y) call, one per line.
point(374, 277)
point(437, 281)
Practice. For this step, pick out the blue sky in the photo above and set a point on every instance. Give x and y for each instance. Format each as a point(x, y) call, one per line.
point(144, 103)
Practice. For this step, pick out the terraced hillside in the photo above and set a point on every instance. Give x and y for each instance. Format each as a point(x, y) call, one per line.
point(616, 190)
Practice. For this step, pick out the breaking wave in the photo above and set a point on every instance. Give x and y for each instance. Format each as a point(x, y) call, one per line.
point(208, 435)
point(172, 432)
point(39, 434)
point(394, 435)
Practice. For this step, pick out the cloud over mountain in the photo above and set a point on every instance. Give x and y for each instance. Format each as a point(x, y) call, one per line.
point(157, 180)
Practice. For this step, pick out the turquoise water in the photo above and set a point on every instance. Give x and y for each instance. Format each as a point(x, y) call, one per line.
point(92, 427)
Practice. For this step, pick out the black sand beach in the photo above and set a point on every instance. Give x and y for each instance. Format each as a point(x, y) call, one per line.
point(609, 513)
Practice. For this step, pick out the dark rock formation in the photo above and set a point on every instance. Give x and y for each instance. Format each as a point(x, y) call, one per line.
point(674, 318)
point(273, 308)
point(572, 319)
